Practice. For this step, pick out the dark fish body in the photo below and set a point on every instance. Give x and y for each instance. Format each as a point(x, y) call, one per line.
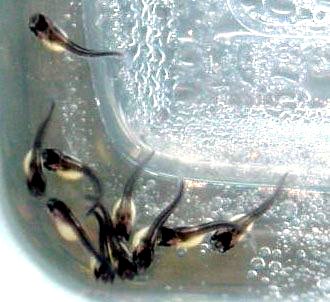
point(223, 240)
point(71, 168)
point(57, 40)
point(103, 246)
point(36, 180)
point(190, 236)
point(145, 242)
point(33, 167)
point(62, 214)
point(124, 212)
point(112, 246)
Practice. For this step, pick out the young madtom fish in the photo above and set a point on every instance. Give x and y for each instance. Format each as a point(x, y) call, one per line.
point(57, 40)
point(124, 212)
point(113, 247)
point(145, 240)
point(70, 168)
point(103, 245)
point(223, 240)
point(190, 236)
point(70, 229)
point(32, 164)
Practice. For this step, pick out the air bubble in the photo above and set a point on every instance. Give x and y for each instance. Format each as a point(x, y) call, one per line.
point(275, 266)
point(252, 274)
point(181, 252)
point(167, 287)
point(258, 263)
point(218, 200)
point(277, 254)
point(288, 210)
point(324, 286)
point(150, 184)
point(301, 254)
point(317, 254)
point(73, 107)
point(265, 252)
point(275, 290)
point(321, 217)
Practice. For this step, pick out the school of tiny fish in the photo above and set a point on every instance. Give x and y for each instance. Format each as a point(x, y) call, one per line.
point(121, 250)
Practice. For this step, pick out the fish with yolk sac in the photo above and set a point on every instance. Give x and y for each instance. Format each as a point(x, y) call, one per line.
point(223, 240)
point(57, 40)
point(191, 236)
point(32, 164)
point(113, 247)
point(145, 240)
point(124, 211)
point(72, 169)
point(70, 229)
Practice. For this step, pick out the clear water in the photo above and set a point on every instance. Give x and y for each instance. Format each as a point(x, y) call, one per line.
point(238, 86)
point(230, 94)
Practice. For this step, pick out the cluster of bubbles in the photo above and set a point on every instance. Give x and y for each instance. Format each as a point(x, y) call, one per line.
point(293, 17)
point(192, 87)
point(300, 255)
point(70, 86)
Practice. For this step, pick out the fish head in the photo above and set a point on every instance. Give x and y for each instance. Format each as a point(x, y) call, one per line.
point(224, 240)
point(38, 23)
point(36, 180)
point(143, 255)
point(126, 269)
point(123, 224)
point(57, 207)
point(167, 236)
point(51, 159)
point(104, 273)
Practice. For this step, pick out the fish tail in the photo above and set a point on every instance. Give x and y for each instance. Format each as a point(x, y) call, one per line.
point(163, 216)
point(37, 144)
